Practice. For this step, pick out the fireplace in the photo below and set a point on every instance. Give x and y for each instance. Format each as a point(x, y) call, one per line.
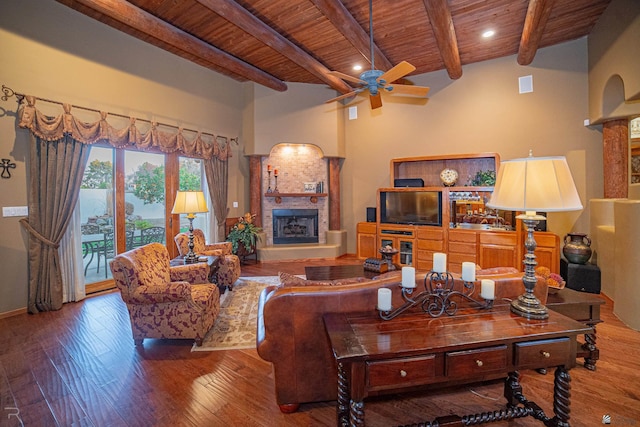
point(295, 226)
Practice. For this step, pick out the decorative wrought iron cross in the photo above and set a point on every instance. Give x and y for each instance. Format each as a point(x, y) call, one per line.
point(6, 165)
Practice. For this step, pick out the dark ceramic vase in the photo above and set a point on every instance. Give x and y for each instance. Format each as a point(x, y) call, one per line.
point(577, 248)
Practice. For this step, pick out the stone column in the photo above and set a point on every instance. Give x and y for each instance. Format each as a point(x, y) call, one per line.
point(255, 188)
point(334, 193)
point(615, 151)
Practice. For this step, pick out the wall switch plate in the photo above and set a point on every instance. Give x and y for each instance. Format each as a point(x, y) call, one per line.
point(15, 211)
point(525, 84)
point(353, 112)
point(235, 204)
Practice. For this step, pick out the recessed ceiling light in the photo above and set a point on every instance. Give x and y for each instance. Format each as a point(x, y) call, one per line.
point(488, 33)
point(357, 67)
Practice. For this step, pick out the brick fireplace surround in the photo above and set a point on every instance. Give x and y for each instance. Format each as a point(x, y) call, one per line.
point(297, 164)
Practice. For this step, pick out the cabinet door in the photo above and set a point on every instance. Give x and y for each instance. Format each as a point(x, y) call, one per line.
point(547, 250)
point(499, 249)
point(366, 240)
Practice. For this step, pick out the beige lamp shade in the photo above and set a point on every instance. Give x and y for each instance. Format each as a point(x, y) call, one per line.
point(535, 184)
point(189, 202)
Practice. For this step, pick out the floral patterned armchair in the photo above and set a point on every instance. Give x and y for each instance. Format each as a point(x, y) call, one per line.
point(229, 269)
point(165, 301)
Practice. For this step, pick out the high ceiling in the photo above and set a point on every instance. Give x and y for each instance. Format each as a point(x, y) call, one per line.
point(272, 42)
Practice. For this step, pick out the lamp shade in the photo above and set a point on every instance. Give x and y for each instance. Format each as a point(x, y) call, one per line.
point(542, 184)
point(189, 202)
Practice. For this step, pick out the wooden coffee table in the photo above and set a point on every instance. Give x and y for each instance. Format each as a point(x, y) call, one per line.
point(332, 272)
point(212, 261)
point(375, 356)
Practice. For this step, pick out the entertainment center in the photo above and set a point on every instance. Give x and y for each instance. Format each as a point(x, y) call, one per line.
point(449, 216)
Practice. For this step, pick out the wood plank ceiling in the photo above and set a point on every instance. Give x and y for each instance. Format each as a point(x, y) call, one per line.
point(272, 42)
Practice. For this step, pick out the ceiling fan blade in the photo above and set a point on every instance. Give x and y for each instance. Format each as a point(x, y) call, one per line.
point(346, 95)
point(396, 89)
point(347, 77)
point(376, 101)
point(400, 70)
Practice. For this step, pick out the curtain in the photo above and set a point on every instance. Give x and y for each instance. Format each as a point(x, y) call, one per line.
point(71, 259)
point(54, 128)
point(56, 169)
point(217, 172)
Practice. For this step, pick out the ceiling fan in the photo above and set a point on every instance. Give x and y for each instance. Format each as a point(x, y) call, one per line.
point(375, 80)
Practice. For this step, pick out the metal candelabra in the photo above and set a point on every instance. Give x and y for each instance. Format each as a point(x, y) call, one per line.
point(275, 190)
point(437, 297)
point(269, 190)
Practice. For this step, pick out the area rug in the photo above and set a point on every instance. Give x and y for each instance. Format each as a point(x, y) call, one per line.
point(235, 326)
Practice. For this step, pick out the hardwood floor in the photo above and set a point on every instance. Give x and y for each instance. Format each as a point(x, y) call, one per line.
point(79, 367)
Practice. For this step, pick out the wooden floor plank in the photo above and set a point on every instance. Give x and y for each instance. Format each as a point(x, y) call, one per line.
point(79, 366)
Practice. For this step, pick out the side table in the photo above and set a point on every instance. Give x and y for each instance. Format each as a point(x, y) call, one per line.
point(585, 308)
point(212, 261)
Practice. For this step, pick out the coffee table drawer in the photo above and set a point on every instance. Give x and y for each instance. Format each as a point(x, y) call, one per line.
point(542, 354)
point(401, 372)
point(474, 362)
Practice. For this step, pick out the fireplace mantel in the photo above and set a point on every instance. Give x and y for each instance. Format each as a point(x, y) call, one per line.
point(313, 197)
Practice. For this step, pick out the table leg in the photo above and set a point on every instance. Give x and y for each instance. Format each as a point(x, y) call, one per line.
point(561, 398)
point(356, 414)
point(512, 389)
point(343, 397)
point(589, 346)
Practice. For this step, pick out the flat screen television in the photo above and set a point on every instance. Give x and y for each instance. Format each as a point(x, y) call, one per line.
point(419, 207)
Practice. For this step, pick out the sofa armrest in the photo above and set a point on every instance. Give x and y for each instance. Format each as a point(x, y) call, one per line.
point(261, 343)
point(195, 273)
point(161, 292)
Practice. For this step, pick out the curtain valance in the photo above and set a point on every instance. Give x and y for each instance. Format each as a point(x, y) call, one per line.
point(54, 128)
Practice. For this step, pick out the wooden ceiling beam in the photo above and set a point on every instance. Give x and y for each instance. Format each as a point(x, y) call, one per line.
point(242, 18)
point(445, 34)
point(344, 22)
point(135, 18)
point(537, 16)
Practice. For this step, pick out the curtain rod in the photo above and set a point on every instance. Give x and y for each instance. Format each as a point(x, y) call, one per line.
point(8, 93)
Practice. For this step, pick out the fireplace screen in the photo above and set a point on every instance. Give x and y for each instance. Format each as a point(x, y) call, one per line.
point(295, 226)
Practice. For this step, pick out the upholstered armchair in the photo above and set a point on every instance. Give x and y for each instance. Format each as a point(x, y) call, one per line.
point(229, 266)
point(165, 301)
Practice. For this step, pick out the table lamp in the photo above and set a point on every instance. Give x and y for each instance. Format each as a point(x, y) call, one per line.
point(531, 185)
point(190, 203)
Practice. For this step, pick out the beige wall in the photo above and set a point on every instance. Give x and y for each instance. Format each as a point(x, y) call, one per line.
point(614, 62)
point(51, 51)
point(298, 115)
point(481, 112)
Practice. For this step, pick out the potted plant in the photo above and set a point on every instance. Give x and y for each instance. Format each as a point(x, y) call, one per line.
point(243, 235)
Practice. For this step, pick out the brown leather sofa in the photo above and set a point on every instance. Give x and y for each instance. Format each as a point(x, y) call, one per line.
point(292, 337)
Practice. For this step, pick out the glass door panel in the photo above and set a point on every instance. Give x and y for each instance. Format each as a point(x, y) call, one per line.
point(144, 198)
point(97, 214)
point(192, 178)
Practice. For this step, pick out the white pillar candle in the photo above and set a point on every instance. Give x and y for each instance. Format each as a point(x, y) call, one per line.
point(468, 271)
point(439, 262)
point(408, 277)
point(488, 289)
point(384, 299)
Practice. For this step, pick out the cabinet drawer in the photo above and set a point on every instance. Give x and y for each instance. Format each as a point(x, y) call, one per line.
point(430, 245)
point(542, 354)
point(462, 248)
point(474, 362)
point(401, 372)
point(462, 236)
point(430, 234)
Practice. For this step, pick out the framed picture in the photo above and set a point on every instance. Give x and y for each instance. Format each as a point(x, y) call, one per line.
point(309, 187)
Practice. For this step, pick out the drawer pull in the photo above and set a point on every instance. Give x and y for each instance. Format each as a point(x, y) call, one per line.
point(403, 373)
point(546, 354)
point(479, 363)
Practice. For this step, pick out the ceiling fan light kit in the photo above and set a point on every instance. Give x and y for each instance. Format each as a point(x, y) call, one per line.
point(373, 80)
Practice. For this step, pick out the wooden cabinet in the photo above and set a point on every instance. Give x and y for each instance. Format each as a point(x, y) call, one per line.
point(547, 250)
point(367, 237)
point(499, 249)
point(463, 247)
point(428, 168)
point(429, 240)
point(398, 237)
